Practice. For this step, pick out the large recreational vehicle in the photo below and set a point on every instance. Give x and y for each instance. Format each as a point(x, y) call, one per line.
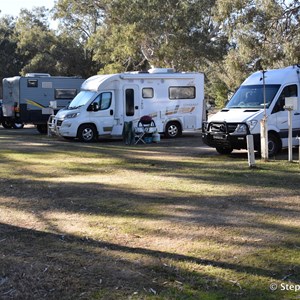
point(263, 93)
point(174, 100)
point(26, 99)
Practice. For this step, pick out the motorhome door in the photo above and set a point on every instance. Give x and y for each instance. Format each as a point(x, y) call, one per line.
point(102, 112)
point(132, 104)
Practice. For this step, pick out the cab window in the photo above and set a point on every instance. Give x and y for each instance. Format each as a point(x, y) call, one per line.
point(288, 91)
point(103, 101)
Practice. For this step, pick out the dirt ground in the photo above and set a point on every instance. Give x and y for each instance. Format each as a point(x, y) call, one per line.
point(91, 221)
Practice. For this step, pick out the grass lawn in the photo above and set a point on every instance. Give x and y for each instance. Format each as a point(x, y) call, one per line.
point(162, 221)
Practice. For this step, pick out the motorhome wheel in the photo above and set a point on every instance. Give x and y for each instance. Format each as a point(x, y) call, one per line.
point(6, 124)
point(87, 133)
point(173, 130)
point(42, 128)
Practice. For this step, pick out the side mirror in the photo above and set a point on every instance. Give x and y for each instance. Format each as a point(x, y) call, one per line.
point(95, 106)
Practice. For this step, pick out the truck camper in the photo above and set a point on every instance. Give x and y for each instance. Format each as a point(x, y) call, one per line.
point(26, 99)
point(261, 94)
point(174, 101)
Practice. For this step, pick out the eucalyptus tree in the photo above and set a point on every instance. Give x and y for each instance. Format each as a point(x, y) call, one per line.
point(80, 20)
point(171, 33)
point(10, 62)
point(262, 34)
point(35, 41)
point(43, 49)
point(132, 35)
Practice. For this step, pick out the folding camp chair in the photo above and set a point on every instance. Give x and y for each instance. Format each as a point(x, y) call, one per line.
point(145, 128)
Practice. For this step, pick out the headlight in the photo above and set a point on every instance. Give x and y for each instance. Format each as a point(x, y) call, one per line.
point(73, 115)
point(252, 124)
point(241, 128)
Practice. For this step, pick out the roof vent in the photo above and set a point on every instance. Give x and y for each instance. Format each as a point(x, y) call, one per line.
point(161, 70)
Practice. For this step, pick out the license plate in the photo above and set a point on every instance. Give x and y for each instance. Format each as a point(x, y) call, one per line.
point(218, 137)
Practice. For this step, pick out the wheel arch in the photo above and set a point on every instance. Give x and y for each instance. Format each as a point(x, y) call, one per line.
point(174, 120)
point(84, 124)
point(178, 120)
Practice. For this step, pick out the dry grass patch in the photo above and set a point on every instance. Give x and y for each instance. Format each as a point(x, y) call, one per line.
point(165, 221)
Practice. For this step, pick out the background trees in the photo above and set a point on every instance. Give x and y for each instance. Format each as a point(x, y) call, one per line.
point(9, 59)
point(262, 34)
point(226, 39)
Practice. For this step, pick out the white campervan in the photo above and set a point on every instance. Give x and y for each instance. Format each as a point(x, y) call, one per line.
point(174, 100)
point(227, 129)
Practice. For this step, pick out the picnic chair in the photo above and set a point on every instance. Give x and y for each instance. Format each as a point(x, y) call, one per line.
point(144, 129)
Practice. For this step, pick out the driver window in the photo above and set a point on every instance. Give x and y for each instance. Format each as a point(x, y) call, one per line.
point(103, 101)
point(288, 91)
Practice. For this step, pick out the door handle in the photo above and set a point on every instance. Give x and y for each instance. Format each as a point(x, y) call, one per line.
point(297, 114)
point(111, 112)
point(136, 107)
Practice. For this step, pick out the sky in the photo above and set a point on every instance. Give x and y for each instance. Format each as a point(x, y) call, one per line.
point(13, 7)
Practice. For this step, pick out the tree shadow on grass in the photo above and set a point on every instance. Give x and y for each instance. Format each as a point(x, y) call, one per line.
point(61, 265)
point(40, 265)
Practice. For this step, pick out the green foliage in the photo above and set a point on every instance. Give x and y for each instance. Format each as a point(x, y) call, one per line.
point(227, 39)
point(118, 47)
point(173, 34)
point(43, 50)
point(262, 34)
point(10, 62)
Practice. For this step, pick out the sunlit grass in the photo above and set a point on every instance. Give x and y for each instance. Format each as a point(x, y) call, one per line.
point(193, 227)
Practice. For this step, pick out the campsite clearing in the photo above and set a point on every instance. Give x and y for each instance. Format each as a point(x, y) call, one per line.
point(173, 220)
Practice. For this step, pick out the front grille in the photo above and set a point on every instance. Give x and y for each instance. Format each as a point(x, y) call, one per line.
point(217, 127)
point(222, 127)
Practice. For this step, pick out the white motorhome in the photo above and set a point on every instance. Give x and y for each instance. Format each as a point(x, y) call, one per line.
point(174, 101)
point(227, 129)
point(26, 99)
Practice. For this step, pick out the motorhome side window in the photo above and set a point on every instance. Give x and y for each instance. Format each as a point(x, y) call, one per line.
point(103, 101)
point(129, 102)
point(288, 91)
point(182, 92)
point(147, 93)
point(32, 83)
point(65, 93)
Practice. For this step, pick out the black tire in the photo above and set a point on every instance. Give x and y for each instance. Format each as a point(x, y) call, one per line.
point(274, 144)
point(42, 128)
point(173, 130)
point(87, 133)
point(224, 150)
point(7, 124)
point(18, 125)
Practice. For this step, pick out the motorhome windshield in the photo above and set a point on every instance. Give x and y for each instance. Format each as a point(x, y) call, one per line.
point(81, 99)
point(252, 96)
